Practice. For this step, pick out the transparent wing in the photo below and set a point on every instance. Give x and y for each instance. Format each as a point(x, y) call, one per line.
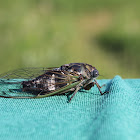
point(25, 73)
point(23, 95)
point(11, 87)
point(10, 82)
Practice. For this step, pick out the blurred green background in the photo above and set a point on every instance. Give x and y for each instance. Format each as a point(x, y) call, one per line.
point(106, 34)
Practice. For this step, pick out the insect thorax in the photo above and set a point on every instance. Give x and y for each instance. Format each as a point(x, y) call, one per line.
point(78, 68)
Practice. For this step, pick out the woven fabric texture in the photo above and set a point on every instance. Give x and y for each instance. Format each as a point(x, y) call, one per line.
point(89, 116)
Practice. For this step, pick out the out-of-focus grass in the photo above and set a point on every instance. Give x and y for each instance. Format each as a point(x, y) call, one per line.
point(54, 32)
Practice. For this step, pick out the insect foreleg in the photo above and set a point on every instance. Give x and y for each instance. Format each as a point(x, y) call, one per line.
point(77, 88)
point(99, 87)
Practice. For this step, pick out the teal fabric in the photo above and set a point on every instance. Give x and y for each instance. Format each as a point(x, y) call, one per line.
point(89, 116)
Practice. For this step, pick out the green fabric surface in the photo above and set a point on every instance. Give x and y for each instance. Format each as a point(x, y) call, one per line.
point(89, 116)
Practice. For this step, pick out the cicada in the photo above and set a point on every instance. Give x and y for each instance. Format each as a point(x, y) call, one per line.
point(44, 82)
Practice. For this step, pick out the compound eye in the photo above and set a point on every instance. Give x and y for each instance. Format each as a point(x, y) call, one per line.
point(95, 73)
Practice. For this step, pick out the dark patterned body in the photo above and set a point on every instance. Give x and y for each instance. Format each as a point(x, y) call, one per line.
point(47, 82)
point(52, 81)
point(57, 78)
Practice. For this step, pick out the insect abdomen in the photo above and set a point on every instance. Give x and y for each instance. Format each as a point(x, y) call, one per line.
point(47, 82)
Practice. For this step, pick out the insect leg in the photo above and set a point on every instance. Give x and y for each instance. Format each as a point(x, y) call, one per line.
point(78, 88)
point(99, 87)
point(102, 85)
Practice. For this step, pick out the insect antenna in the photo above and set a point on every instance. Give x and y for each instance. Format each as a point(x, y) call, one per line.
point(101, 75)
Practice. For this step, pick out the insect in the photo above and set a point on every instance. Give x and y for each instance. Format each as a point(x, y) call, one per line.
point(44, 82)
